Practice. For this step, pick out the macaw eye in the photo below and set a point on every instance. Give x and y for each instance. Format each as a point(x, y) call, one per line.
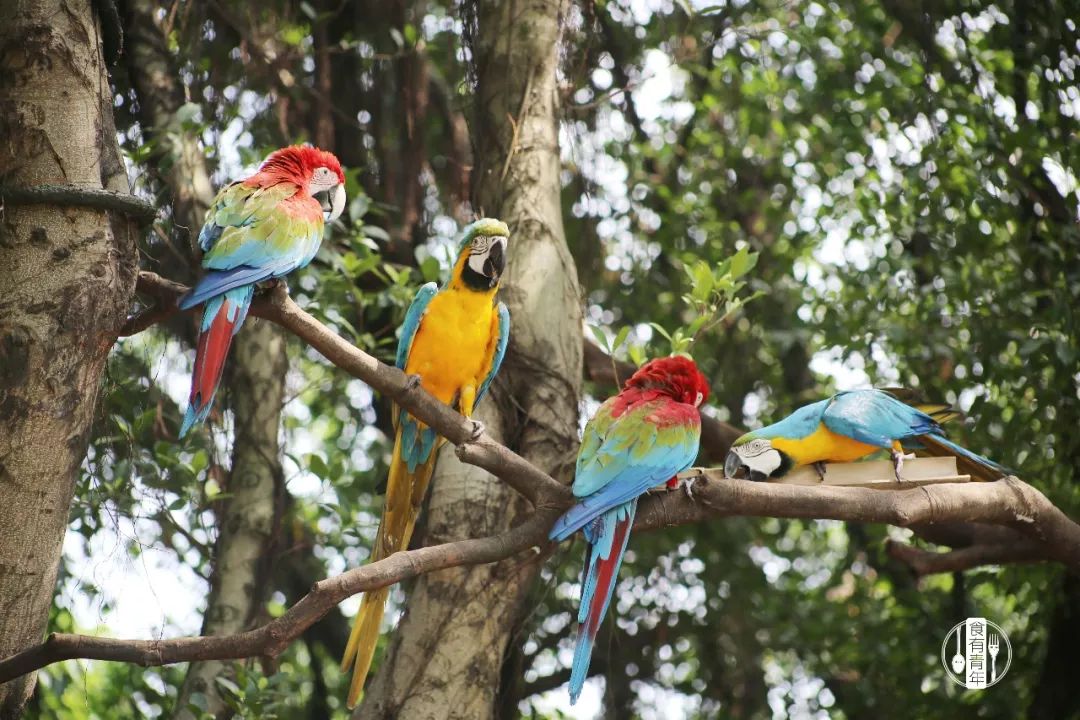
point(698, 399)
point(480, 244)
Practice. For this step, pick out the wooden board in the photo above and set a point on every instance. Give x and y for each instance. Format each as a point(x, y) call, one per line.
point(879, 473)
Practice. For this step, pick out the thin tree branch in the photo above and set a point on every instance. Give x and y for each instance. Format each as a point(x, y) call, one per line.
point(134, 207)
point(476, 448)
point(271, 639)
point(926, 562)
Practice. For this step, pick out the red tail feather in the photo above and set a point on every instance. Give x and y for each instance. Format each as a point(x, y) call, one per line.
point(605, 574)
point(210, 356)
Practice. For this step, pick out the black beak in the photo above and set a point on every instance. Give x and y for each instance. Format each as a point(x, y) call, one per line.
point(733, 466)
point(331, 201)
point(496, 260)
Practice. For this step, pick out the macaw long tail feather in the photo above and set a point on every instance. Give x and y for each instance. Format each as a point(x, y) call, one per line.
point(968, 462)
point(363, 639)
point(603, 556)
point(404, 495)
point(222, 318)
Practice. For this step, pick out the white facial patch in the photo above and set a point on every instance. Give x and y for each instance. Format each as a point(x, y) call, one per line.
point(480, 250)
point(759, 456)
point(322, 179)
point(698, 399)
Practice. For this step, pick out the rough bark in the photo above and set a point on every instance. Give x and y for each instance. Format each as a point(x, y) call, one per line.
point(256, 385)
point(444, 659)
point(68, 275)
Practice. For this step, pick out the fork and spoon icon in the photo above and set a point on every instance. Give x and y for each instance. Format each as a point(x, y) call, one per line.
point(993, 645)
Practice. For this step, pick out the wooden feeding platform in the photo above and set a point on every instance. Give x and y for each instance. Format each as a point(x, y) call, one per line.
point(879, 474)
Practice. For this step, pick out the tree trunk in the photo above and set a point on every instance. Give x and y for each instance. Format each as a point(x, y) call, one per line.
point(445, 658)
point(248, 521)
point(68, 275)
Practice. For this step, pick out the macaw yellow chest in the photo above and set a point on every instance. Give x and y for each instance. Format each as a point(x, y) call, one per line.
point(453, 346)
point(823, 445)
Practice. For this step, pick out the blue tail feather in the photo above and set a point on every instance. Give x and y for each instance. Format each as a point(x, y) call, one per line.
point(219, 282)
point(972, 456)
point(607, 537)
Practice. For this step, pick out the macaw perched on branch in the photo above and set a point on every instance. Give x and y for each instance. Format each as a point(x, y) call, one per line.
point(847, 427)
point(257, 229)
point(454, 339)
point(637, 440)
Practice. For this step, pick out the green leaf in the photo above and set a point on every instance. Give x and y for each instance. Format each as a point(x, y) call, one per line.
point(376, 233)
point(228, 685)
point(743, 261)
point(659, 328)
point(601, 337)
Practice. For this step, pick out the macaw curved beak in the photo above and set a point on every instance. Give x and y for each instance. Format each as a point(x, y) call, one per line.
point(733, 466)
point(332, 202)
point(496, 259)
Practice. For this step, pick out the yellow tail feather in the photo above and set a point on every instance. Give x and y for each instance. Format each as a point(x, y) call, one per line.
point(404, 494)
point(942, 413)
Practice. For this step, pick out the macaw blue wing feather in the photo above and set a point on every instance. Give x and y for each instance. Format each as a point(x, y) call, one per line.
point(621, 458)
point(417, 443)
point(219, 282)
point(876, 418)
point(413, 315)
point(798, 424)
point(500, 350)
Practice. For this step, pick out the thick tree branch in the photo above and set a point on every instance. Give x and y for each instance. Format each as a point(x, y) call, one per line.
point(1009, 503)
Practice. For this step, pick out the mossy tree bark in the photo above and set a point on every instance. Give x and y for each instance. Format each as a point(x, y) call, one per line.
point(68, 276)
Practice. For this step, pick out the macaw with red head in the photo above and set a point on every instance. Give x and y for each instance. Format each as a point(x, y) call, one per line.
point(257, 229)
point(639, 439)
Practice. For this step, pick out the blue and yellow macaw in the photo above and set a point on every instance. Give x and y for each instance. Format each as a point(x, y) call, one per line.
point(637, 440)
point(454, 339)
point(847, 427)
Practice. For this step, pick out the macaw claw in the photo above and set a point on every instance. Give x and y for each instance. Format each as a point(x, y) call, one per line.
point(273, 284)
point(898, 459)
point(478, 429)
point(819, 468)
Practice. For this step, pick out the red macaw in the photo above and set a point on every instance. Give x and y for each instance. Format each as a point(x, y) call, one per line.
point(637, 440)
point(259, 228)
